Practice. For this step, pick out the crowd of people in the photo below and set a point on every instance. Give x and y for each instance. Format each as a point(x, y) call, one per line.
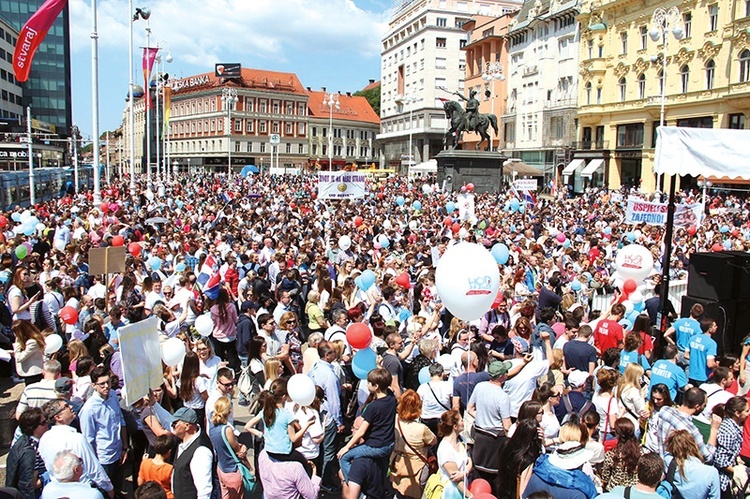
point(541, 396)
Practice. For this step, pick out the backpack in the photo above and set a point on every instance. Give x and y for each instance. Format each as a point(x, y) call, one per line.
point(667, 488)
point(569, 411)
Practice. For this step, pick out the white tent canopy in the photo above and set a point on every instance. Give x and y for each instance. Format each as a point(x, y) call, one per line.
point(707, 152)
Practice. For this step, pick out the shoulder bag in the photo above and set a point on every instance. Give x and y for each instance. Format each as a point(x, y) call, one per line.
point(248, 480)
point(608, 444)
point(436, 398)
point(429, 461)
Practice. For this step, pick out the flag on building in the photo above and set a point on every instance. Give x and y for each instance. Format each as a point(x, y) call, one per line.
point(32, 35)
point(149, 56)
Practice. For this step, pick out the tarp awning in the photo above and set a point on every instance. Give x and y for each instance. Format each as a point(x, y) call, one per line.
point(522, 168)
point(708, 152)
point(572, 167)
point(591, 168)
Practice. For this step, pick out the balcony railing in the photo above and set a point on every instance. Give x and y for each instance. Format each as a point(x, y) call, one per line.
point(553, 104)
point(591, 144)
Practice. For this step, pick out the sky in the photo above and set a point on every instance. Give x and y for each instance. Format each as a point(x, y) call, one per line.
point(327, 43)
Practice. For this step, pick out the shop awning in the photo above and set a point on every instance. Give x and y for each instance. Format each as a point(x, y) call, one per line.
point(593, 165)
point(572, 167)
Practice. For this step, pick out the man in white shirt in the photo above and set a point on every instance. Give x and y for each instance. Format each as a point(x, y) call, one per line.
point(193, 462)
point(716, 391)
point(98, 290)
point(520, 387)
point(68, 470)
point(154, 296)
point(222, 388)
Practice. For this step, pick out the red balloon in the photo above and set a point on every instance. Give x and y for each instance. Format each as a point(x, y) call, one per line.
point(134, 249)
point(69, 315)
point(359, 335)
point(717, 247)
point(735, 233)
point(448, 221)
point(358, 221)
point(470, 187)
point(455, 227)
point(3, 221)
point(118, 240)
point(500, 298)
point(692, 230)
point(104, 207)
point(629, 286)
point(404, 280)
point(480, 486)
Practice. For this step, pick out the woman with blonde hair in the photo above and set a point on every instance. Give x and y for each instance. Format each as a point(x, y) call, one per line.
point(28, 351)
point(630, 396)
point(692, 478)
point(409, 470)
point(76, 350)
point(228, 450)
point(316, 321)
point(272, 371)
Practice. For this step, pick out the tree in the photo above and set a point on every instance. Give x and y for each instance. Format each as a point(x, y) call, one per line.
point(373, 97)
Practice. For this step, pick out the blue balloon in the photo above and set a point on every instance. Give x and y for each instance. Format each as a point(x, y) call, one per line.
point(359, 282)
point(400, 200)
point(28, 229)
point(507, 206)
point(416, 205)
point(639, 307)
point(514, 204)
point(727, 244)
point(575, 285)
point(450, 207)
point(630, 236)
point(180, 267)
point(522, 208)
point(368, 279)
point(404, 315)
point(384, 241)
point(724, 229)
point(424, 375)
point(501, 253)
point(15, 216)
point(566, 243)
point(451, 492)
point(154, 262)
point(607, 230)
point(363, 362)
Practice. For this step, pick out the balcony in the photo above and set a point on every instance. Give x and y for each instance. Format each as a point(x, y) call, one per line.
point(530, 70)
point(591, 144)
point(559, 104)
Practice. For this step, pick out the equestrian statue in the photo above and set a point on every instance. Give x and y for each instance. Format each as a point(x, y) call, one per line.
point(470, 120)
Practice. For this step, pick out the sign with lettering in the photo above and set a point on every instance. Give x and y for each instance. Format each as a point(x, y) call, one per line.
point(341, 185)
point(189, 82)
point(526, 184)
point(639, 211)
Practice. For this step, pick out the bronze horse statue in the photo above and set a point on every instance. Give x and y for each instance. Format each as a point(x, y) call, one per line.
point(460, 124)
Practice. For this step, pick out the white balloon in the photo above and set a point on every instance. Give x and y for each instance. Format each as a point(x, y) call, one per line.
point(52, 344)
point(426, 188)
point(635, 297)
point(25, 216)
point(40, 227)
point(628, 306)
point(172, 351)
point(301, 389)
point(345, 242)
point(467, 280)
point(413, 225)
point(59, 244)
point(387, 224)
point(634, 262)
point(204, 324)
point(463, 233)
point(618, 283)
point(149, 195)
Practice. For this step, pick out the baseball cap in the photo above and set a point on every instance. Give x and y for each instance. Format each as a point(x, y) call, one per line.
point(248, 305)
point(498, 368)
point(185, 414)
point(577, 379)
point(64, 385)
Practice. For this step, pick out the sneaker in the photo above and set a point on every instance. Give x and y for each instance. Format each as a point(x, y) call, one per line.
point(243, 403)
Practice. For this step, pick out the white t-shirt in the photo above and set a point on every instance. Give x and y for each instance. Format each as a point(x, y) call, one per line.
point(431, 408)
point(715, 395)
point(520, 387)
point(308, 448)
point(601, 403)
point(447, 454)
point(197, 402)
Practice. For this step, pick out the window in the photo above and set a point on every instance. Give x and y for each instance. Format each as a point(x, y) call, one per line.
point(623, 89)
point(630, 135)
point(275, 127)
point(262, 126)
point(462, 43)
point(442, 22)
point(289, 108)
point(744, 66)
point(624, 42)
point(288, 128)
point(301, 149)
point(288, 148)
point(661, 81)
point(599, 95)
point(275, 107)
point(440, 62)
point(737, 121)
point(687, 22)
point(314, 132)
point(588, 93)
point(747, 9)
point(440, 43)
point(262, 147)
point(250, 126)
point(713, 17)
point(684, 78)
point(601, 51)
point(590, 46)
point(710, 69)
point(262, 106)
point(644, 37)
point(237, 125)
point(641, 86)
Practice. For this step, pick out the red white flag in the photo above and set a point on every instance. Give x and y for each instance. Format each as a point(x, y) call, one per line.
point(32, 35)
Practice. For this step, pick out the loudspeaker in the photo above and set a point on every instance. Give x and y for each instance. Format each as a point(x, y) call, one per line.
point(728, 336)
point(741, 274)
point(711, 276)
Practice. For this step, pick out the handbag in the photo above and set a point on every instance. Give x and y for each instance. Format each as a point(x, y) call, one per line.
point(248, 480)
point(608, 444)
point(429, 461)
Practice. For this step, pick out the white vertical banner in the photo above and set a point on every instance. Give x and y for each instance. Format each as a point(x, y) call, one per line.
point(465, 205)
point(141, 358)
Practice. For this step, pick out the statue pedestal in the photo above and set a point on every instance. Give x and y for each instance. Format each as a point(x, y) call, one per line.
point(484, 169)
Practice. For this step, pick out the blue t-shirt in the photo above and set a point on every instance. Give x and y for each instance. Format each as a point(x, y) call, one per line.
point(670, 374)
point(633, 357)
point(685, 328)
point(701, 347)
point(276, 436)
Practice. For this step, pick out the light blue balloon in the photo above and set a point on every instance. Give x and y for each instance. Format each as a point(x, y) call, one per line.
point(727, 244)
point(404, 315)
point(507, 206)
point(607, 230)
point(359, 282)
point(630, 236)
point(368, 279)
point(632, 316)
point(28, 229)
point(588, 276)
point(363, 362)
point(400, 200)
point(724, 229)
point(575, 285)
point(450, 207)
point(522, 208)
point(514, 204)
point(179, 203)
point(424, 375)
point(416, 205)
point(566, 243)
point(501, 253)
point(384, 241)
point(451, 492)
point(15, 216)
point(180, 267)
point(639, 307)
point(154, 262)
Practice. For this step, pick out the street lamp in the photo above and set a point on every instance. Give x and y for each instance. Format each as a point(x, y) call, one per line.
point(139, 14)
point(32, 194)
point(493, 71)
point(95, 102)
point(229, 98)
point(408, 100)
point(331, 100)
point(705, 184)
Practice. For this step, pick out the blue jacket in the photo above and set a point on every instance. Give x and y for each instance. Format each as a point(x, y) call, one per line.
point(568, 479)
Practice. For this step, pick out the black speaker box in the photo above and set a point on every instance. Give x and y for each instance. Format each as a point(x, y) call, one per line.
point(729, 335)
point(741, 274)
point(711, 276)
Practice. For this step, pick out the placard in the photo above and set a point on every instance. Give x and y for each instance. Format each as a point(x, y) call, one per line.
point(108, 260)
point(526, 184)
point(341, 185)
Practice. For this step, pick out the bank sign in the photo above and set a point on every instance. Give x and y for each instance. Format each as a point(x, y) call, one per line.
point(189, 82)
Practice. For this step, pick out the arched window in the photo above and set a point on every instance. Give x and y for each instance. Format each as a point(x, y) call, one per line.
point(661, 81)
point(744, 66)
point(710, 69)
point(684, 78)
point(641, 86)
point(623, 89)
point(588, 93)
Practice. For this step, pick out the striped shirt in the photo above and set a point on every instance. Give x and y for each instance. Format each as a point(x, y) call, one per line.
point(36, 395)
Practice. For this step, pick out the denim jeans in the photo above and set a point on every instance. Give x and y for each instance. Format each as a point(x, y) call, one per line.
point(329, 450)
point(362, 451)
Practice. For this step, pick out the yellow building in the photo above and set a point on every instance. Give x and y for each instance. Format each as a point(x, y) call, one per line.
point(620, 87)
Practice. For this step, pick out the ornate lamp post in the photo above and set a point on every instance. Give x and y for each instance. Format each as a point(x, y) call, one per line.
point(493, 71)
point(229, 98)
point(331, 100)
point(139, 14)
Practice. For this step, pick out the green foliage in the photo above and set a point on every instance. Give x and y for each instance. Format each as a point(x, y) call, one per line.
point(373, 97)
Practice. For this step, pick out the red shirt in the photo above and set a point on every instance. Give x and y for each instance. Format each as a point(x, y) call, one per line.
point(608, 334)
point(647, 345)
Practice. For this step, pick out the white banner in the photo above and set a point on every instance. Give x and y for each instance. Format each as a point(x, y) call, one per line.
point(465, 206)
point(639, 211)
point(526, 184)
point(341, 185)
point(141, 358)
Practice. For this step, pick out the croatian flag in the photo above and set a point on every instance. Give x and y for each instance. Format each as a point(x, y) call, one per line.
point(529, 197)
point(227, 197)
point(211, 289)
point(209, 269)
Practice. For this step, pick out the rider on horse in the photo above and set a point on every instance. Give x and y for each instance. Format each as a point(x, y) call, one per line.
point(472, 108)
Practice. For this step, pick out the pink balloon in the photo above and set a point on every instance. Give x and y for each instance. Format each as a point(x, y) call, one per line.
point(561, 237)
point(376, 245)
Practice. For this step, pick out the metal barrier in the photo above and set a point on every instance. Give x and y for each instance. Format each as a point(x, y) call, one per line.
point(677, 289)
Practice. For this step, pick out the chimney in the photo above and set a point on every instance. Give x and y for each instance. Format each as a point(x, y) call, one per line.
point(309, 89)
point(322, 89)
point(372, 81)
point(348, 94)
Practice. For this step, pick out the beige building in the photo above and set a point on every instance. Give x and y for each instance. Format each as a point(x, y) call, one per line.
point(705, 77)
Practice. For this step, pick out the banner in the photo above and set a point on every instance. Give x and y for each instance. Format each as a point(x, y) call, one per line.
point(465, 205)
point(149, 56)
point(32, 35)
point(526, 184)
point(141, 358)
point(167, 110)
point(639, 211)
point(341, 185)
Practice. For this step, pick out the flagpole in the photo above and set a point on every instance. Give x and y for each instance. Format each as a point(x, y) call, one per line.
point(148, 103)
point(95, 103)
